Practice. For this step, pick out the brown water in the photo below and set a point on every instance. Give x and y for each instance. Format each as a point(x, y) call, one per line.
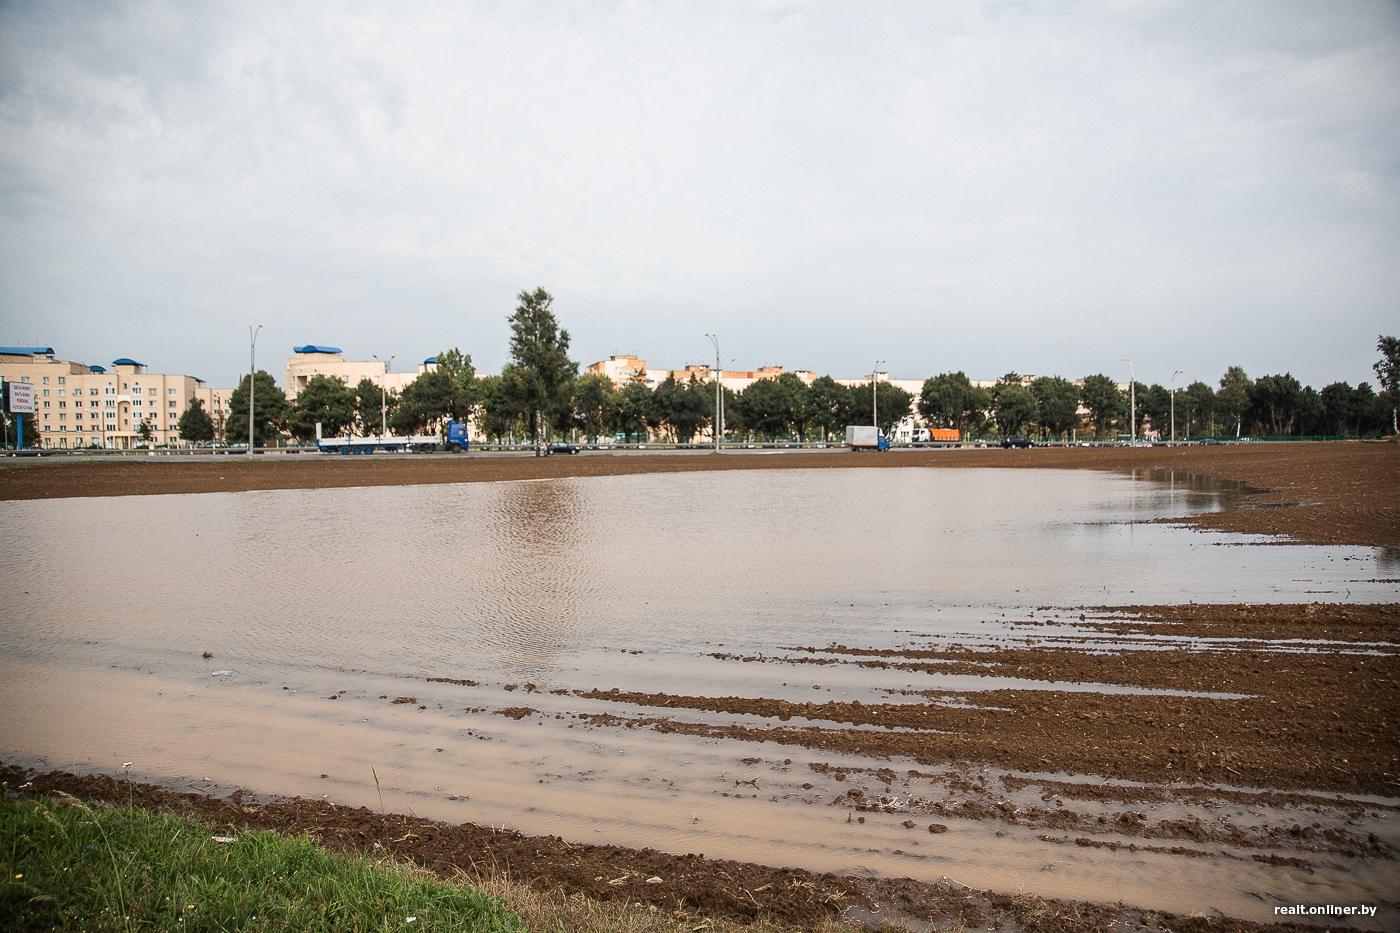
point(628, 582)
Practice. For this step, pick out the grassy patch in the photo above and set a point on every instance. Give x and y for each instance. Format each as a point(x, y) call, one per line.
point(68, 865)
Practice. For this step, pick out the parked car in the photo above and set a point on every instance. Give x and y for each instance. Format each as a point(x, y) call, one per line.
point(1016, 440)
point(559, 447)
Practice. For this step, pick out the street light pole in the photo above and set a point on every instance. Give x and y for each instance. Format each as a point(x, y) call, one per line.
point(1174, 375)
point(252, 372)
point(384, 397)
point(875, 396)
point(1132, 400)
point(719, 414)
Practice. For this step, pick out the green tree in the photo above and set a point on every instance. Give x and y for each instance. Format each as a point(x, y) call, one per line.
point(595, 405)
point(830, 401)
point(1057, 401)
point(894, 404)
point(767, 408)
point(950, 400)
point(1106, 404)
point(1388, 372)
point(271, 408)
point(540, 351)
point(195, 424)
point(683, 406)
point(634, 409)
point(324, 399)
point(1014, 404)
point(1232, 401)
point(458, 367)
point(1274, 402)
point(501, 405)
point(425, 402)
point(1155, 406)
point(1197, 406)
point(373, 408)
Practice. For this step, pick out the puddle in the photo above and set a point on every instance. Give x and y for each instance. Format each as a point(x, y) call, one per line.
point(633, 582)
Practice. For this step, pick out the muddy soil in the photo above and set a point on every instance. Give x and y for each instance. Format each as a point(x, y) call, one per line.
point(1323, 719)
point(1319, 493)
point(686, 885)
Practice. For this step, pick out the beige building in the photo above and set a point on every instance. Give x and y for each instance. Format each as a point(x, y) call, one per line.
point(623, 369)
point(81, 405)
point(313, 360)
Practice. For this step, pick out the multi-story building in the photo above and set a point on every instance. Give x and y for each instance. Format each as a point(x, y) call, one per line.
point(623, 369)
point(82, 405)
point(314, 360)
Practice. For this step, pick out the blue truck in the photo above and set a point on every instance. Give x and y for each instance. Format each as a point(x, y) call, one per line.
point(453, 439)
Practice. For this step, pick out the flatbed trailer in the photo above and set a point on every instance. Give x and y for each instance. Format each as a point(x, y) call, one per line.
point(455, 439)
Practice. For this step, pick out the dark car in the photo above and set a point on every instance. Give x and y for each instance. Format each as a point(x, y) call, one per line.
point(1016, 440)
point(559, 447)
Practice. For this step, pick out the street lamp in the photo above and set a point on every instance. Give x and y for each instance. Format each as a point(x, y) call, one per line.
point(875, 396)
point(252, 372)
point(1132, 400)
point(719, 411)
point(1174, 375)
point(384, 397)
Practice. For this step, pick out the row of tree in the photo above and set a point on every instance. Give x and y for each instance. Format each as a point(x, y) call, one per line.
point(540, 394)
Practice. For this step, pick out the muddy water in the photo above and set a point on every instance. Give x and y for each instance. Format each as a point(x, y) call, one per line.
point(631, 582)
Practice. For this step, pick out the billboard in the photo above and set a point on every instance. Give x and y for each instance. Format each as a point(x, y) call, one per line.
point(21, 398)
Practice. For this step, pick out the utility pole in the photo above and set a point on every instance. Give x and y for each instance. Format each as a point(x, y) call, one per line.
point(252, 371)
point(875, 396)
point(719, 412)
point(1132, 400)
point(1174, 375)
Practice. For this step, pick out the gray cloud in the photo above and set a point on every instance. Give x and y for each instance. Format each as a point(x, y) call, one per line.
point(985, 187)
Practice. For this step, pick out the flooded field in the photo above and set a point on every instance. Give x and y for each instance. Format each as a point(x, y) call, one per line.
point(778, 666)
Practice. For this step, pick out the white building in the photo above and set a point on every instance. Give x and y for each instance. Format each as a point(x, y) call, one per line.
point(312, 360)
point(82, 405)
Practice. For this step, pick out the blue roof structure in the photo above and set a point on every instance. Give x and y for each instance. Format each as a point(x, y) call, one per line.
point(27, 351)
point(314, 348)
point(431, 359)
point(97, 369)
point(125, 361)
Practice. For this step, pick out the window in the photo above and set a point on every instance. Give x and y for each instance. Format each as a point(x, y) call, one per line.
point(172, 401)
point(136, 391)
point(46, 380)
point(111, 390)
point(172, 391)
point(92, 404)
point(46, 404)
point(110, 403)
point(46, 391)
point(60, 380)
point(61, 391)
point(92, 391)
point(62, 404)
point(136, 403)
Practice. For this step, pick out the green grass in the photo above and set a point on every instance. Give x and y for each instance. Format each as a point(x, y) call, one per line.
point(69, 866)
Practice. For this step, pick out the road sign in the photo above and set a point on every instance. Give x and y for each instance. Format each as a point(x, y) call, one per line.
point(22, 398)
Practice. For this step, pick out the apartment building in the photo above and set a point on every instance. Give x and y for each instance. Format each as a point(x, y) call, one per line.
point(623, 369)
point(315, 360)
point(84, 405)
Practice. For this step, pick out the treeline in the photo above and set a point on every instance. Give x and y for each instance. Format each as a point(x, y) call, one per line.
point(540, 394)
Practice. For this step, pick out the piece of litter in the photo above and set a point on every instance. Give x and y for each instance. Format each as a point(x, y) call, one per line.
point(224, 839)
point(222, 674)
point(654, 879)
point(410, 919)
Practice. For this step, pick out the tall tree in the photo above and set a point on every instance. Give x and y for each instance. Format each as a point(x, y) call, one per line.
point(373, 408)
point(1388, 372)
point(594, 405)
point(1057, 401)
point(270, 408)
point(501, 403)
point(1014, 404)
point(1197, 405)
point(830, 402)
point(195, 424)
point(1232, 401)
point(634, 409)
point(950, 400)
point(894, 404)
point(1155, 406)
point(767, 408)
point(324, 399)
point(540, 351)
point(1275, 400)
point(1106, 404)
point(458, 367)
point(425, 402)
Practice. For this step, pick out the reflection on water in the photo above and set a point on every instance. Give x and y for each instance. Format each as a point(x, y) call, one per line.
point(572, 584)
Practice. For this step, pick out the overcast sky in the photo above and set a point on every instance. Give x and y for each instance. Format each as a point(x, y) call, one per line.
point(1037, 187)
